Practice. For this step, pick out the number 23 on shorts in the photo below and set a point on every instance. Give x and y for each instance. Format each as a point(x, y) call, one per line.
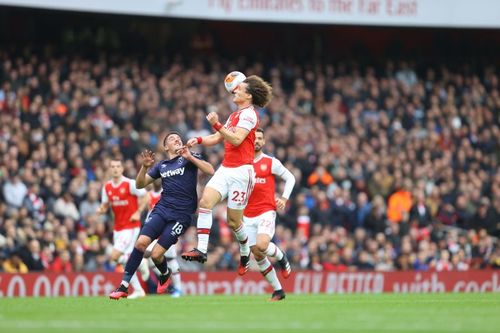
point(238, 196)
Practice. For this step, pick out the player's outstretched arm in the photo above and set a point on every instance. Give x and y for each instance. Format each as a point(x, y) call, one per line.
point(235, 138)
point(143, 179)
point(209, 140)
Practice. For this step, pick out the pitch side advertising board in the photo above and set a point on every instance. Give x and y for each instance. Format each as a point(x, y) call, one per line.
point(229, 283)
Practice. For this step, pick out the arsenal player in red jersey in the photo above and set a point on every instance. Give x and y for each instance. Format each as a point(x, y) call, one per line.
point(127, 203)
point(260, 214)
point(234, 179)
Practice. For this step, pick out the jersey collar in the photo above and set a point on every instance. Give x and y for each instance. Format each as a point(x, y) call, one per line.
point(262, 155)
point(122, 178)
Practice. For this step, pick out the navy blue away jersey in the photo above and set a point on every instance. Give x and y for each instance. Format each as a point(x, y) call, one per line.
point(179, 178)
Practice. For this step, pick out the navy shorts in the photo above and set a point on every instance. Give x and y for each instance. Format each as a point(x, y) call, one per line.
point(167, 230)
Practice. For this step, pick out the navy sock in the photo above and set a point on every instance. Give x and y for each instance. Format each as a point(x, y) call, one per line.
point(133, 262)
point(162, 266)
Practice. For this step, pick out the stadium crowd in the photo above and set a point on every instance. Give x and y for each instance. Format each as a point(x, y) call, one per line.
point(395, 170)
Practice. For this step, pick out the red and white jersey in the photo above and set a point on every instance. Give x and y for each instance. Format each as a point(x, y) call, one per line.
point(123, 199)
point(154, 197)
point(236, 156)
point(262, 198)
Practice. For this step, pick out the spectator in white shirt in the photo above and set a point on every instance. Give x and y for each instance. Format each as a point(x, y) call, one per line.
point(14, 191)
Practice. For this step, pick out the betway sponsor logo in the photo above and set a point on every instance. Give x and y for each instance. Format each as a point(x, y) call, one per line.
point(175, 172)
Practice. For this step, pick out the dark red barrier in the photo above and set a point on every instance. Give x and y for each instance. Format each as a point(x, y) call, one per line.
point(229, 283)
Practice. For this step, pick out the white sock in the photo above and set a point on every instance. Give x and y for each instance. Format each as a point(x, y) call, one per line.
point(152, 265)
point(122, 260)
point(241, 236)
point(144, 269)
point(204, 225)
point(134, 282)
point(269, 273)
point(173, 264)
point(274, 251)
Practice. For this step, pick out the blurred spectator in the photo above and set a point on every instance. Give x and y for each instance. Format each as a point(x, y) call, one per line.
point(32, 256)
point(90, 204)
point(320, 177)
point(363, 209)
point(399, 204)
point(14, 191)
point(62, 263)
point(376, 220)
point(14, 264)
point(65, 207)
point(419, 213)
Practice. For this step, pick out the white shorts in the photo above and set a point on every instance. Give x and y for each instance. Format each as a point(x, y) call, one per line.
point(171, 252)
point(124, 240)
point(235, 184)
point(262, 224)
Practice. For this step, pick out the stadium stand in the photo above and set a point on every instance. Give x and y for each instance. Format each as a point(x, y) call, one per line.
point(397, 168)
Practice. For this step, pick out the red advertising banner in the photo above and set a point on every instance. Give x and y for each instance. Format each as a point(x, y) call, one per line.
point(229, 283)
point(54, 284)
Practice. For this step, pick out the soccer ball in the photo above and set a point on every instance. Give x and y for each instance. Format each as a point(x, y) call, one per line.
point(233, 80)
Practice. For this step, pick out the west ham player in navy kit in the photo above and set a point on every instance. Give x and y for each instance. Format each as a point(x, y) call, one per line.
point(172, 214)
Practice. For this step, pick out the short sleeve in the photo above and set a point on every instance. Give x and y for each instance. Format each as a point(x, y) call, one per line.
point(104, 196)
point(248, 119)
point(135, 191)
point(154, 172)
point(197, 155)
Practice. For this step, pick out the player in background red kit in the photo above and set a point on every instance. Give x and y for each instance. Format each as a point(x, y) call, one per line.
point(127, 203)
point(260, 214)
point(234, 179)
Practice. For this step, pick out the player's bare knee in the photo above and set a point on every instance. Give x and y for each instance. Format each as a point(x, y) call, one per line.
point(156, 259)
point(142, 244)
point(115, 255)
point(206, 203)
point(233, 224)
point(262, 245)
point(234, 219)
point(258, 255)
point(157, 255)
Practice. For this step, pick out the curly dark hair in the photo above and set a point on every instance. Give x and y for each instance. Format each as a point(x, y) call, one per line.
point(261, 91)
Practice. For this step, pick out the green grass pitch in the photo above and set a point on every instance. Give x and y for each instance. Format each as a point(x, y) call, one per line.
point(298, 313)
